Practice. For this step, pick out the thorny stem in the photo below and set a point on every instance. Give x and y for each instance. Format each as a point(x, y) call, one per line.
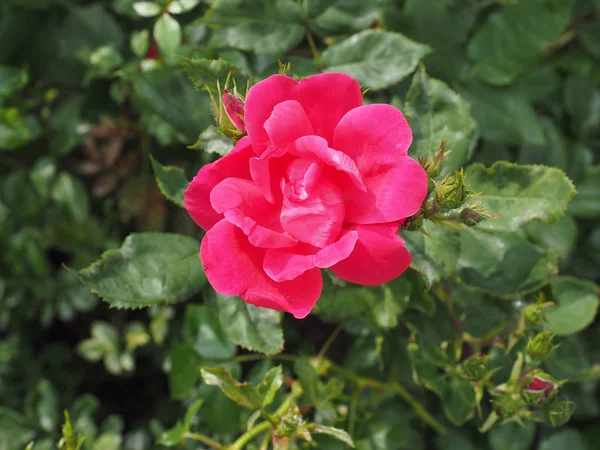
point(205, 440)
point(362, 382)
point(313, 46)
point(248, 436)
point(455, 321)
point(330, 340)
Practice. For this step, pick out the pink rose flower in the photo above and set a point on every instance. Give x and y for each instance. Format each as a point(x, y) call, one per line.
point(320, 181)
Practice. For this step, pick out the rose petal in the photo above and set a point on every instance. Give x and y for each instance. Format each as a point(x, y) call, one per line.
point(394, 193)
point(285, 264)
point(379, 256)
point(325, 98)
point(372, 135)
point(197, 195)
point(316, 219)
point(267, 171)
point(377, 137)
point(234, 267)
point(316, 147)
point(287, 122)
point(243, 205)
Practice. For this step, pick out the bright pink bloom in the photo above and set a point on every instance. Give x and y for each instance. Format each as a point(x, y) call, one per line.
point(321, 181)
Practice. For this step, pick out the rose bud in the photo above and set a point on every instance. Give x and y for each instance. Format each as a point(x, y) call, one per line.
point(540, 387)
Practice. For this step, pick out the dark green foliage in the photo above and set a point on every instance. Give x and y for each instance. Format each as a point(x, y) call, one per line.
point(101, 102)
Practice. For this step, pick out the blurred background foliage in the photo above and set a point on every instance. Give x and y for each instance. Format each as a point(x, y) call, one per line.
point(90, 89)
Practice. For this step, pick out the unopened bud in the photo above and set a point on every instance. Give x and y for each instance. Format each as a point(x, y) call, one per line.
point(540, 388)
point(234, 107)
point(540, 347)
point(559, 413)
point(533, 315)
point(471, 217)
point(475, 367)
point(433, 165)
point(509, 405)
point(452, 192)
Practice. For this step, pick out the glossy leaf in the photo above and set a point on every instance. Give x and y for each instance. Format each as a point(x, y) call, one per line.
point(269, 27)
point(250, 327)
point(185, 370)
point(148, 269)
point(513, 39)
point(376, 58)
point(437, 113)
point(245, 394)
point(147, 9)
point(12, 79)
point(512, 436)
point(340, 435)
point(210, 73)
point(167, 33)
point(171, 181)
point(203, 330)
point(577, 305)
point(503, 117)
point(565, 439)
point(520, 194)
point(586, 202)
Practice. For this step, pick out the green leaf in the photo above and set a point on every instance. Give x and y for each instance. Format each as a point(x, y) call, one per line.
point(560, 236)
point(17, 130)
point(185, 370)
point(269, 386)
point(504, 117)
point(107, 441)
point(582, 101)
point(568, 438)
point(171, 181)
point(459, 400)
point(571, 361)
point(436, 113)
point(587, 201)
point(268, 27)
point(203, 330)
point(71, 194)
point(244, 394)
point(211, 141)
point(577, 305)
point(250, 327)
point(12, 79)
point(15, 428)
point(210, 73)
point(503, 263)
point(444, 26)
point(376, 58)
point(512, 40)
point(148, 269)
point(512, 436)
point(379, 307)
point(435, 251)
point(174, 99)
point(139, 42)
point(314, 8)
point(167, 33)
point(553, 154)
point(147, 9)
point(520, 194)
point(182, 6)
point(340, 435)
point(347, 17)
point(176, 435)
point(43, 405)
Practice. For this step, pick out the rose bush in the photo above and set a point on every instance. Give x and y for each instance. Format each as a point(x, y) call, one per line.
point(320, 181)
